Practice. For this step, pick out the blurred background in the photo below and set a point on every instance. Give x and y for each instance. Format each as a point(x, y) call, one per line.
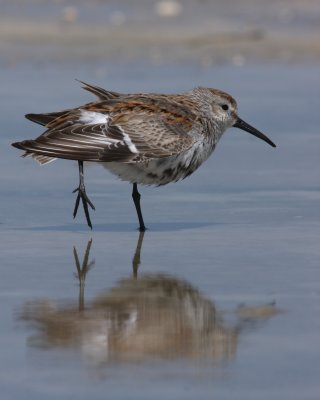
point(205, 32)
point(222, 298)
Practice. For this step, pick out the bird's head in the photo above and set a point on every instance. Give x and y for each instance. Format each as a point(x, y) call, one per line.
point(224, 112)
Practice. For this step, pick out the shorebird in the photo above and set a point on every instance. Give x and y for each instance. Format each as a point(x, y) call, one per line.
point(148, 139)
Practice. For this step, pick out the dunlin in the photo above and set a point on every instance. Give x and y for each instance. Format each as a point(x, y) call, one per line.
point(149, 139)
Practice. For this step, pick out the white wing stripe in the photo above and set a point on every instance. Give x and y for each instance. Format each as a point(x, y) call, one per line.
point(128, 142)
point(91, 118)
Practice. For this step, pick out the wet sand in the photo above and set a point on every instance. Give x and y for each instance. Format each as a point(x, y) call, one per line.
point(224, 294)
point(220, 297)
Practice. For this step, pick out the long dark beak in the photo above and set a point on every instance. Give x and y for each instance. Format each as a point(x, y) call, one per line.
point(248, 128)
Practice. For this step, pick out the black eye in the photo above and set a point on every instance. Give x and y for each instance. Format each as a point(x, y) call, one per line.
point(225, 107)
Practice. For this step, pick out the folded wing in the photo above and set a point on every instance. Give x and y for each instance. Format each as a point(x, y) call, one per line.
point(123, 129)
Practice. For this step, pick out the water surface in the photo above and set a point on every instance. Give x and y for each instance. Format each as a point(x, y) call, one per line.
point(221, 295)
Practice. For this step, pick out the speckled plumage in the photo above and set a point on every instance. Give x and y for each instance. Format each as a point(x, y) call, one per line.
point(142, 138)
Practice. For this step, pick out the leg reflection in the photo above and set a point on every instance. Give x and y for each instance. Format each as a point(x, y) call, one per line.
point(136, 258)
point(82, 271)
point(86, 266)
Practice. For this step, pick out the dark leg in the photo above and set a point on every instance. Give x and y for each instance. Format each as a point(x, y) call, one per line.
point(83, 196)
point(136, 199)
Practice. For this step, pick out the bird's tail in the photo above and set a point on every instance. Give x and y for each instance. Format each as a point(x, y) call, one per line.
point(38, 157)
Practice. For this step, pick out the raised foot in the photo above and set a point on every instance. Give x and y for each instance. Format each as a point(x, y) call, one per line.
point(85, 201)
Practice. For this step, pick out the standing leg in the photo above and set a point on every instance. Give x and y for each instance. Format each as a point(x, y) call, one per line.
point(83, 196)
point(136, 199)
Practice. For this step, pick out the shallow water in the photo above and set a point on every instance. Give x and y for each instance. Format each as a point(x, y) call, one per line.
point(221, 295)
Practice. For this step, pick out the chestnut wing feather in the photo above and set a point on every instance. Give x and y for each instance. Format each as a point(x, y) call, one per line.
point(136, 129)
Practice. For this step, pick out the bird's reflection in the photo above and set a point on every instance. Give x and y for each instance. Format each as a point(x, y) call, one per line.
point(143, 316)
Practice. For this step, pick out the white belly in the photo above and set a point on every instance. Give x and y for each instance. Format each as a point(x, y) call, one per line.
point(162, 170)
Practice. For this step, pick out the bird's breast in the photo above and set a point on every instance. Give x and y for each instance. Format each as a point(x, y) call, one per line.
point(161, 171)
